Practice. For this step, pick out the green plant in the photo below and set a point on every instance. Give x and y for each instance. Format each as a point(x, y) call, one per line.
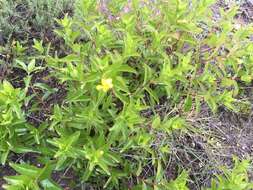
point(17, 17)
point(12, 119)
point(116, 65)
point(180, 183)
point(31, 178)
point(237, 178)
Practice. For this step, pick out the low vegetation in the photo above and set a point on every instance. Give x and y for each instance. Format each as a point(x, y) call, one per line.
point(92, 105)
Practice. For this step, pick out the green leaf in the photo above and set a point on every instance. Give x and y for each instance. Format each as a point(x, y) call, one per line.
point(188, 103)
point(4, 156)
point(152, 94)
point(70, 58)
point(246, 78)
point(156, 122)
point(148, 74)
point(25, 169)
point(38, 45)
point(49, 185)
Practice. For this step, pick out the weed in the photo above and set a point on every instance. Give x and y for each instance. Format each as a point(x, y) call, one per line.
point(18, 19)
point(117, 64)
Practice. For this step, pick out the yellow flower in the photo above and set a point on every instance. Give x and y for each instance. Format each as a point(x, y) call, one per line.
point(106, 84)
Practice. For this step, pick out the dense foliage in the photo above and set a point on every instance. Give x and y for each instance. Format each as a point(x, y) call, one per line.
point(118, 63)
point(21, 18)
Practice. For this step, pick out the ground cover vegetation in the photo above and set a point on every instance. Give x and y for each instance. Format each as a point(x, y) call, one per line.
point(29, 18)
point(101, 102)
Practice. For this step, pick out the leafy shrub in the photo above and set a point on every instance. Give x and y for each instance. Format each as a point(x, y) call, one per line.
point(19, 16)
point(31, 177)
point(118, 64)
point(237, 178)
point(12, 119)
